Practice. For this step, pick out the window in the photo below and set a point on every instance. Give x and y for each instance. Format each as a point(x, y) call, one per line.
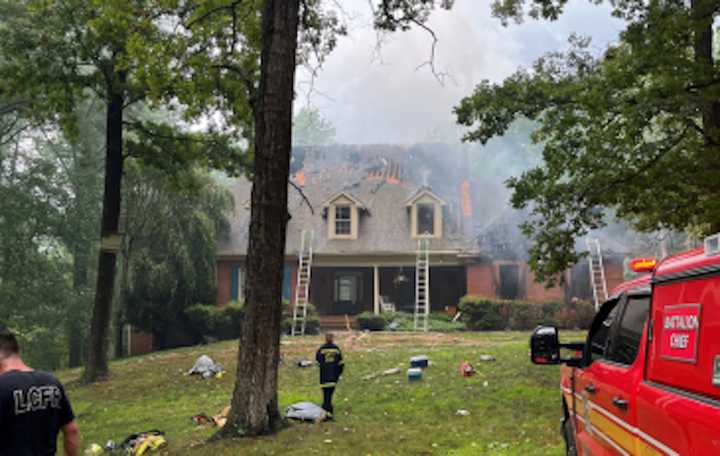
point(346, 288)
point(599, 340)
point(509, 281)
point(343, 221)
point(625, 342)
point(425, 219)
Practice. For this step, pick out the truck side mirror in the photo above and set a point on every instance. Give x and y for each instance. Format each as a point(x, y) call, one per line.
point(545, 345)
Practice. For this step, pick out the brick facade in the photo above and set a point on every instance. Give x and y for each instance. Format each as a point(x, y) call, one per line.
point(536, 292)
point(223, 272)
point(481, 279)
point(140, 343)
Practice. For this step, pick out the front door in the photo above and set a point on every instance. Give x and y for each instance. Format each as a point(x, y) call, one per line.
point(348, 293)
point(607, 387)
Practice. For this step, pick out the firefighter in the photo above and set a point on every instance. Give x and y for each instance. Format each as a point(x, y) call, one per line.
point(331, 364)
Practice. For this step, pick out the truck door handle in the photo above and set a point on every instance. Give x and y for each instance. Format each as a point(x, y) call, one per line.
point(591, 388)
point(620, 403)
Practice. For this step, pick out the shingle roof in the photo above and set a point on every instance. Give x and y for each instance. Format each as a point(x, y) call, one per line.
point(383, 178)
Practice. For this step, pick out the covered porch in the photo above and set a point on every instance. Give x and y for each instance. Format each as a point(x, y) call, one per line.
point(351, 290)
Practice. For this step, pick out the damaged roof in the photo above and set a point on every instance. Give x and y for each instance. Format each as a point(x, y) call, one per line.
point(384, 178)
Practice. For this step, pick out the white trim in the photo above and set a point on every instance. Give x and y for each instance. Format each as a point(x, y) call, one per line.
point(376, 290)
point(337, 195)
point(424, 192)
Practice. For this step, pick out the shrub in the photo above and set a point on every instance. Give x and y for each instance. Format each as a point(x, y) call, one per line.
point(480, 313)
point(524, 315)
point(312, 320)
point(371, 322)
point(220, 322)
point(577, 315)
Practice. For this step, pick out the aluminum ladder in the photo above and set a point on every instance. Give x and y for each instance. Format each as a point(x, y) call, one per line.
point(422, 287)
point(597, 273)
point(302, 289)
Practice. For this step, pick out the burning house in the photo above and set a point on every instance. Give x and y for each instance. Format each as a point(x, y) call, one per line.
point(373, 209)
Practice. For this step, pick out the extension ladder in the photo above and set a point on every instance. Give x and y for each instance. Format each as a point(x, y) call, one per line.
point(422, 287)
point(302, 289)
point(597, 273)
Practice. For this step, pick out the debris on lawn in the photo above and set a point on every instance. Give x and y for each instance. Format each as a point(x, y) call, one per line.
point(202, 420)
point(205, 367)
point(386, 372)
point(144, 442)
point(305, 363)
point(420, 361)
point(306, 411)
point(93, 450)
point(487, 358)
point(467, 369)
point(485, 383)
point(414, 374)
point(218, 420)
point(462, 412)
point(353, 339)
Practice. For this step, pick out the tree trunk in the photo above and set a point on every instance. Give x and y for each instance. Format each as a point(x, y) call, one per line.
point(75, 329)
point(96, 367)
point(703, 12)
point(254, 408)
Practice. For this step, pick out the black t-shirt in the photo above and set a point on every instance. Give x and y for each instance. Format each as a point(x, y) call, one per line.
point(331, 364)
point(33, 408)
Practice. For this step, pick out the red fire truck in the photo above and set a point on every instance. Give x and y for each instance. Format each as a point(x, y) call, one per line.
point(647, 379)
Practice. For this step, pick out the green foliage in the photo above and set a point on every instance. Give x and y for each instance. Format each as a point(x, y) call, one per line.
point(371, 322)
point(219, 322)
point(480, 313)
point(312, 320)
point(169, 245)
point(311, 129)
point(632, 130)
point(49, 205)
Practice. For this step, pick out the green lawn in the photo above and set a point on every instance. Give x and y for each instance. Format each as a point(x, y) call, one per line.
point(514, 406)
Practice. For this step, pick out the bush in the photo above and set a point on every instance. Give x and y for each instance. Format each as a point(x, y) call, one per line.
point(312, 320)
point(577, 315)
point(481, 313)
point(220, 322)
point(371, 322)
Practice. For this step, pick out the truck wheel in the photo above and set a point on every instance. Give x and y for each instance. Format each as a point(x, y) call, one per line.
point(569, 435)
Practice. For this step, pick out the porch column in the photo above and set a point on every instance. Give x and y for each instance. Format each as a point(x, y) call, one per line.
point(376, 290)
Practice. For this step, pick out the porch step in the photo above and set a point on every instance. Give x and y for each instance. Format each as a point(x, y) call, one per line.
point(337, 322)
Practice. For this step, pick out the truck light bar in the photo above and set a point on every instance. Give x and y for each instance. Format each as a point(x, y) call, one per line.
point(643, 264)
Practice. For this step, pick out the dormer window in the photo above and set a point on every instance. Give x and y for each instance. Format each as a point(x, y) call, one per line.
point(343, 213)
point(425, 219)
point(426, 215)
point(343, 220)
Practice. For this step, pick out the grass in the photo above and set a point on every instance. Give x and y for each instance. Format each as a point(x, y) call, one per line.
point(514, 406)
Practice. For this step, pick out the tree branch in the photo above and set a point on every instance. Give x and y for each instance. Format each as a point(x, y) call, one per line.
point(302, 194)
point(217, 9)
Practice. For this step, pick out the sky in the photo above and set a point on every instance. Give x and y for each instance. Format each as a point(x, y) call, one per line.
point(383, 95)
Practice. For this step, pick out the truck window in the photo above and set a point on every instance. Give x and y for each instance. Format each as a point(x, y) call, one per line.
point(599, 340)
point(625, 341)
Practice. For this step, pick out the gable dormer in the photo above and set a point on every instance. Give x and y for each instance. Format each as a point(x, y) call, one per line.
point(426, 215)
point(343, 216)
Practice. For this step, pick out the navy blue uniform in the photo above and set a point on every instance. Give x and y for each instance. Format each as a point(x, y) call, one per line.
point(33, 409)
point(331, 364)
